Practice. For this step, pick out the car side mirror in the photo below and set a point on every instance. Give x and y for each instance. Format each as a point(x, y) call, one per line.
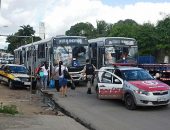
point(117, 81)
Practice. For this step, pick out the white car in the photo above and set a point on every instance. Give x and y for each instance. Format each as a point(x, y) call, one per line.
point(135, 86)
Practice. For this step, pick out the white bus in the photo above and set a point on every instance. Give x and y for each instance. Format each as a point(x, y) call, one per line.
point(105, 51)
point(53, 50)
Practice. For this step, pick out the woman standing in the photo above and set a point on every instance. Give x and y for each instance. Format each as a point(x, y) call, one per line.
point(55, 76)
point(62, 79)
point(44, 78)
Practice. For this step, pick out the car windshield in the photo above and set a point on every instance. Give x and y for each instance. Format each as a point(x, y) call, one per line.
point(131, 75)
point(18, 69)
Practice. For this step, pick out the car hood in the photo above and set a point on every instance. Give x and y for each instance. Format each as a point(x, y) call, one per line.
point(20, 75)
point(150, 85)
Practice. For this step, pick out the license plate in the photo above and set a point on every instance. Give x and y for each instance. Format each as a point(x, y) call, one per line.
point(75, 75)
point(27, 83)
point(161, 99)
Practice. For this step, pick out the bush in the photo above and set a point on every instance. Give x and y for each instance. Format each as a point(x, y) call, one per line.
point(9, 109)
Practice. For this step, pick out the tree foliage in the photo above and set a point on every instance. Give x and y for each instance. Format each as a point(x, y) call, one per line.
point(82, 29)
point(152, 39)
point(15, 40)
point(163, 29)
point(127, 28)
point(103, 29)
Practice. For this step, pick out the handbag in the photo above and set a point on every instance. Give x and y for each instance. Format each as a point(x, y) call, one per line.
point(41, 73)
point(66, 74)
point(52, 83)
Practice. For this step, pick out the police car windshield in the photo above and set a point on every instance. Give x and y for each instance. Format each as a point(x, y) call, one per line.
point(136, 75)
point(18, 69)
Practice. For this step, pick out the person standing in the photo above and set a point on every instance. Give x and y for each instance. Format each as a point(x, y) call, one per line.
point(89, 70)
point(62, 79)
point(44, 77)
point(55, 76)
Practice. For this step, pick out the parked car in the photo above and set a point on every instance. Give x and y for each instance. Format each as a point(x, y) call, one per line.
point(135, 86)
point(15, 75)
point(3, 61)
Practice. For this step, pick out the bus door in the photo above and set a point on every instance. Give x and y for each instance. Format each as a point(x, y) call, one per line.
point(100, 56)
point(93, 53)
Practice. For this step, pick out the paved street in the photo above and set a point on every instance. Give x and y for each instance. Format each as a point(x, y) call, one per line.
point(112, 114)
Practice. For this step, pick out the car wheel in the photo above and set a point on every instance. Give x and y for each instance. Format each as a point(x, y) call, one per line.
point(10, 84)
point(129, 102)
point(97, 92)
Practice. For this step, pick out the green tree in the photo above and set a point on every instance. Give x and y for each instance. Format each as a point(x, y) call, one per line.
point(147, 39)
point(103, 29)
point(126, 28)
point(163, 29)
point(15, 41)
point(81, 29)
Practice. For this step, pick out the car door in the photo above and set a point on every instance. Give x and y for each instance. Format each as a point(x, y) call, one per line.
point(2, 73)
point(110, 86)
point(6, 74)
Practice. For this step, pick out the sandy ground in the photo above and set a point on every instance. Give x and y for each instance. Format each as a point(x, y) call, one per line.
point(27, 103)
point(33, 113)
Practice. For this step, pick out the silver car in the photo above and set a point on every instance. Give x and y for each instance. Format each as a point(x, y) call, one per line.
point(135, 86)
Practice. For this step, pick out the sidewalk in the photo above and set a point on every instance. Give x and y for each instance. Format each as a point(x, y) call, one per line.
point(39, 122)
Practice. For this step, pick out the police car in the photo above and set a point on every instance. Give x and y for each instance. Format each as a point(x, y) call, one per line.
point(15, 75)
point(135, 86)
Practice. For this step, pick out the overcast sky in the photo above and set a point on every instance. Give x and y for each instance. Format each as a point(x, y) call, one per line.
point(60, 15)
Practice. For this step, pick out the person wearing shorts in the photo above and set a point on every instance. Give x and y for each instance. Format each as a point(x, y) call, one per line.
point(62, 80)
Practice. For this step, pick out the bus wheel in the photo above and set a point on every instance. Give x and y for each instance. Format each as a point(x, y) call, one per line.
point(129, 102)
point(10, 84)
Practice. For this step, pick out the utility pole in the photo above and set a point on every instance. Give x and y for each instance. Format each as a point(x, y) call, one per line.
point(0, 4)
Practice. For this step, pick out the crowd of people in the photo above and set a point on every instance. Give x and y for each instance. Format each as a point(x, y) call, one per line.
point(60, 75)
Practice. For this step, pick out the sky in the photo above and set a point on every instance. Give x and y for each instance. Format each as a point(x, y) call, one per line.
point(59, 15)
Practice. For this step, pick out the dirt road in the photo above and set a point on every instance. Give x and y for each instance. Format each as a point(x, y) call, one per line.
point(33, 113)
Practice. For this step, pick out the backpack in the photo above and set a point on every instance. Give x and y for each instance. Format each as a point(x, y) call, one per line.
point(41, 73)
point(66, 74)
point(89, 69)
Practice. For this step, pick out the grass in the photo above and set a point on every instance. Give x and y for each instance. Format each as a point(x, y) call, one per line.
point(8, 109)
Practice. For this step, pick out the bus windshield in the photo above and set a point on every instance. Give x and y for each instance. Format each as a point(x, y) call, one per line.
point(120, 51)
point(120, 54)
point(69, 50)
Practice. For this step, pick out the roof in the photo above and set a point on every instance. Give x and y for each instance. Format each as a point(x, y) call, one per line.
point(46, 41)
point(104, 38)
point(121, 67)
point(14, 65)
